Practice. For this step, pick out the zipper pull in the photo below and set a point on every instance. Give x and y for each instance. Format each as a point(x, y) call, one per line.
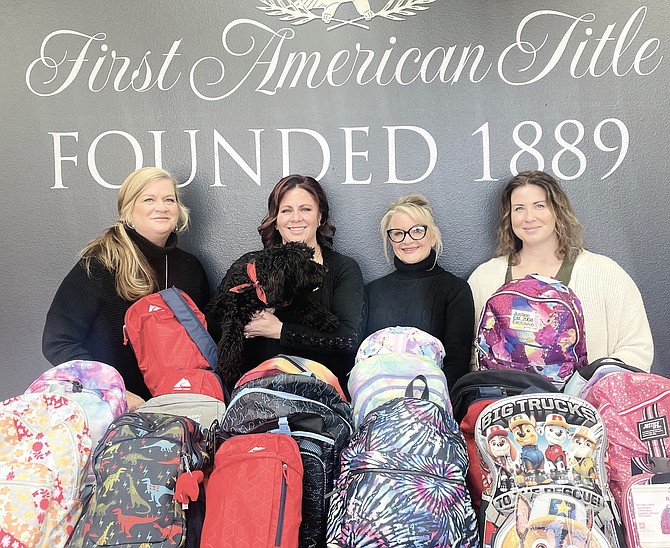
point(284, 471)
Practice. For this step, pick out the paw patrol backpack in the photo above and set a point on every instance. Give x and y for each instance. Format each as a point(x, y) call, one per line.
point(548, 483)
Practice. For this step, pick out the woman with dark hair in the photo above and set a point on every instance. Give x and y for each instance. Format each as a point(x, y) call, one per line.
point(135, 257)
point(298, 211)
point(539, 233)
point(419, 292)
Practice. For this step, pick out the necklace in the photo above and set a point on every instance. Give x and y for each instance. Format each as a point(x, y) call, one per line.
point(318, 256)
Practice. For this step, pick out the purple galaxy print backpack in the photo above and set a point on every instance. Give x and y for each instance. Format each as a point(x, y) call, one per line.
point(402, 481)
point(533, 324)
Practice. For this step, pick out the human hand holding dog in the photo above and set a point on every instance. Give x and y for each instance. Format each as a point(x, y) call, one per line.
point(264, 324)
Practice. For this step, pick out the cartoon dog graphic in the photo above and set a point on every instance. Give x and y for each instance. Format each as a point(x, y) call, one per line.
point(552, 520)
point(503, 453)
point(532, 459)
point(330, 7)
point(582, 450)
point(556, 431)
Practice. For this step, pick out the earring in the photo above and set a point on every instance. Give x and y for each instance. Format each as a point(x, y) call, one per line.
point(130, 224)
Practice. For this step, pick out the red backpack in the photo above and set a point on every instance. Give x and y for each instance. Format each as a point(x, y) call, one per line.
point(254, 494)
point(174, 351)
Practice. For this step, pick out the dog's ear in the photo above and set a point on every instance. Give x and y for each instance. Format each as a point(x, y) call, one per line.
point(276, 286)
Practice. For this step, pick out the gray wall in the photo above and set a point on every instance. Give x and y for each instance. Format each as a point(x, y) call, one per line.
point(90, 88)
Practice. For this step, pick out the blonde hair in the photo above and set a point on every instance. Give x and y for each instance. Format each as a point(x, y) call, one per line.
point(115, 250)
point(418, 208)
point(569, 230)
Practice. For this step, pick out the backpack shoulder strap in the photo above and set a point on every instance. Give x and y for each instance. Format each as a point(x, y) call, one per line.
point(564, 273)
point(183, 312)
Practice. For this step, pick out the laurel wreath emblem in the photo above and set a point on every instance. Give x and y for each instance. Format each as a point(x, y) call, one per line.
point(298, 14)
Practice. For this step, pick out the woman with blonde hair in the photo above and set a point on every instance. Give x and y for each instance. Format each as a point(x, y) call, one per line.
point(419, 292)
point(135, 257)
point(539, 233)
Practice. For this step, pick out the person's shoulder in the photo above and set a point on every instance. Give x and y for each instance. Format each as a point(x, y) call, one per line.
point(589, 259)
point(184, 255)
point(452, 279)
point(93, 269)
point(247, 257)
point(489, 266)
point(588, 263)
point(380, 282)
point(333, 258)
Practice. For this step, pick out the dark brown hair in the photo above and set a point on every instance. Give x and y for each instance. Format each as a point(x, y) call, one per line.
point(268, 230)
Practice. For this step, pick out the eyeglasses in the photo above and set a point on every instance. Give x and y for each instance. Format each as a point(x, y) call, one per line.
point(397, 235)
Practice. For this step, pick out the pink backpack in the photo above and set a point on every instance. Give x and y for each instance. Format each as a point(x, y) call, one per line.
point(533, 324)
point(401, 339)
point(45, 448)
point(635, 408)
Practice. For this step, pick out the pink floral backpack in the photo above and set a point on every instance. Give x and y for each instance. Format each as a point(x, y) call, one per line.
point(45, 449)
point(533, 324)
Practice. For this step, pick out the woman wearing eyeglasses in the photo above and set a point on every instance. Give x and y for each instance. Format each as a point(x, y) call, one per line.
point(419, 292)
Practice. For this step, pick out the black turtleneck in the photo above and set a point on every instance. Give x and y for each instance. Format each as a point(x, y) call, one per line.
point(85, 320)
point(426, 296)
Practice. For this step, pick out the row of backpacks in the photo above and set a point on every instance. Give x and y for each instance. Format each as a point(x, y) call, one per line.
point(289, 462)
point(398, 466)
point(286, 461)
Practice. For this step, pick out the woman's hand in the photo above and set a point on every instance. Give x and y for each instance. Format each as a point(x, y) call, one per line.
point(134, 401)
point(264, 324)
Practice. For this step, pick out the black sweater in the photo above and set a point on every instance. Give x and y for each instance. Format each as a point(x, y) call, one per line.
point(430, 299)
point(85, 320)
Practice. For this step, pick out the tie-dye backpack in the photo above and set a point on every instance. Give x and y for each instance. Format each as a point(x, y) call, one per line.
point(402, 481)
point(96, 386)
point(533, 324)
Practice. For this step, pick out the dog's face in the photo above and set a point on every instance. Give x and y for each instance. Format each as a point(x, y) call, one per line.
point(525, 434)
point(288, 271)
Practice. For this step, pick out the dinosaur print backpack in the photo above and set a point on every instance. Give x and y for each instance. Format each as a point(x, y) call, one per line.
point(533, 324)
point(147, 468)
point(44, 452)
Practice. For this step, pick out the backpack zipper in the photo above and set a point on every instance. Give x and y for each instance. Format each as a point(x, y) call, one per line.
point(398, 471)
point(282, 504)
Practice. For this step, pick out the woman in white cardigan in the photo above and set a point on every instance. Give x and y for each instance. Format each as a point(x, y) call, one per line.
point(540, 233)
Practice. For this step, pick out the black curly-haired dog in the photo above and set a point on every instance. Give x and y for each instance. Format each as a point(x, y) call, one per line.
point(274, 277)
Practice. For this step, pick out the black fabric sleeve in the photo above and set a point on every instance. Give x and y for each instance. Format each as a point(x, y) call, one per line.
point(344, 298)
point(458, 330)
point(72, 312)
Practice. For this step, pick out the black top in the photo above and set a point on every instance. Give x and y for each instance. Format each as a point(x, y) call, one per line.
point(85, 320)
point(342, 294)
point(431, 299)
